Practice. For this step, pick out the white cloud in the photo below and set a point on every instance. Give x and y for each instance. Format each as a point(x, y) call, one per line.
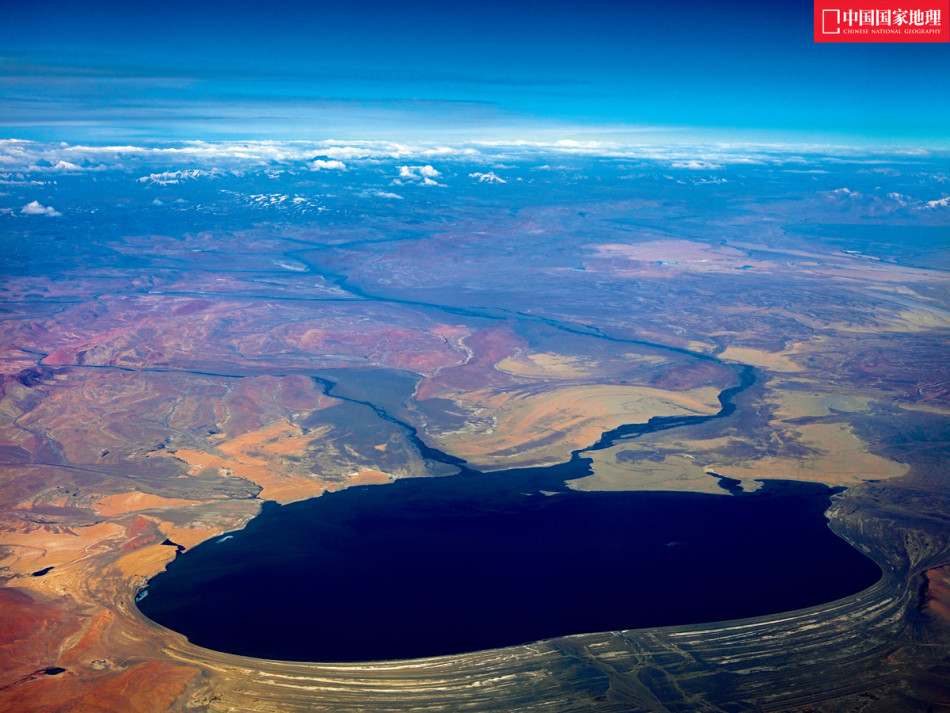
point(172, 177)
point(843, 191)
point(941, 203)
point(22, 162)
point(37, 208)
point(490, 177)
point(364, 150)
point(439, 151)
point(422, 175)
point(381, 194)
point(417, 172)
point(321, 165)
point(571, 144)
point(695, 165)
point(346, 152)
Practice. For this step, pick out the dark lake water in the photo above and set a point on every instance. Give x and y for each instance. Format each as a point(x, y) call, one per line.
point(476, 561)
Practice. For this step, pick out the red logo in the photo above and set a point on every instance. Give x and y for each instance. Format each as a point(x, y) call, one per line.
point(877, 21)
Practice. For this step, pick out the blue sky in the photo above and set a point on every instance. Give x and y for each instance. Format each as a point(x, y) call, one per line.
point(670, 71)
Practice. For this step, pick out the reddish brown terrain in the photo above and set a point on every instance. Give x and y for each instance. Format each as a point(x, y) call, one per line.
point(156, 389)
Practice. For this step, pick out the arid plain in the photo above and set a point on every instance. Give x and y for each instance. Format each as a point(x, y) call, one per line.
point(179, 348)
